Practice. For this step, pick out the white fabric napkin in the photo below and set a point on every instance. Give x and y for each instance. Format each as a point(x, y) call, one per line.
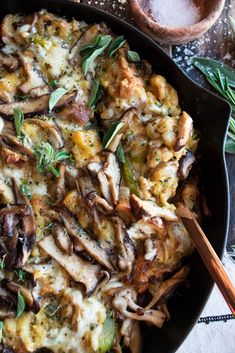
point(218, 334)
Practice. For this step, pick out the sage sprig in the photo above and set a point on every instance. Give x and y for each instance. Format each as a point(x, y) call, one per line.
point(222, 78)
point(56, 96)
point(47, 158)
point(111, 133)
point(115, 45)
point(95, 93)
point(93, 49)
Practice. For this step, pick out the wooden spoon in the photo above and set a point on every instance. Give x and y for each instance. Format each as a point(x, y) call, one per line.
point(208, 255)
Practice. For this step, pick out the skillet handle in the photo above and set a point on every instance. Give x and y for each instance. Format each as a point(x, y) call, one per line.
point(209, 256)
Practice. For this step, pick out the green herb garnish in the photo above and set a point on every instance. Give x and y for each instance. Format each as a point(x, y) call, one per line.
point(133, 56)
point(129, 177)
point(1, 328)
point(56, 96)
point(222, 78)
point(120, 154)
point(93, 49)
point(111, 133)
point(21, 305)
point(24, 187)
point(47, 158)
point(54, 83)
point(51, 310)
point(108, 333)
point(21, 275)
point(95, 93)
point(115, 45)
point(48, 226)
point(18, 118)
point(21, 98)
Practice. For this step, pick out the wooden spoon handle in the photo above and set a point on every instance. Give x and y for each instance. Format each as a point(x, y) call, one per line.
point(209, 256)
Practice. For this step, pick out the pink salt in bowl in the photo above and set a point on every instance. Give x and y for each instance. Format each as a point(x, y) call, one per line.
point(151, 17)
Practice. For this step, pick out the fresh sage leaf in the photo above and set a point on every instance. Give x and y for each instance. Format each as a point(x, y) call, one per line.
point(133, 56)
point(110, 133)
point(209, 66)
point(120, 154)
point(21, 305)
point(129, 178)
point(102, 44)
point(24, 187)
point(108, 333)
point(54, 83)
point(115, 45)
point(95, 93)
point(56, 96)
point(1, 329)
point(86, 49)
point(18, 118)
point(21, 98)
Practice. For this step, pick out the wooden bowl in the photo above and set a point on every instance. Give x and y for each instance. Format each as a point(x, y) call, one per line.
point(209, 13)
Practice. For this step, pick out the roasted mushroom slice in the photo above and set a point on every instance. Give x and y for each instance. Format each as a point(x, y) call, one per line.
point(16, 288)
point(147, 209)
point(126, 253)
point(92, 247)
point(28, 228)
point(112, 172)
point(84, 182)
point(34, 79)
point(125, 299)
point(62, 238)
point(58, 187)
point(34, 105)
point(185, 163)
point(8, 303)
point(8, 61)
point(95, 201)
point(80, 270)
point(12, 143)
point(130, 330)
point(185, 126)
point(161, 293)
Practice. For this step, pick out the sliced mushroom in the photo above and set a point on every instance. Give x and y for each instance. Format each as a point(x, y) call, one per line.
point(16, 288)
point(160, 295)
point(34, 79)
point(185, 163)
point(8, 61)
point(126, 298)
point(28, 228)
point(112, 172)
point(21, 210)
point(11, 142)
point(62, 238)
point(94, 168)
point(126, 253)
point(95, 201)
point(104, 185)
point(92, 247)
point(35, 105)
point(80, 270)
point(147, 209)
point(130, 330)
point(58, 187)
point(8, 303)
point(150, 250)
point(54, 135)
point(11, 157)
point(85, 183)
point(4, 349)
point(185, 126)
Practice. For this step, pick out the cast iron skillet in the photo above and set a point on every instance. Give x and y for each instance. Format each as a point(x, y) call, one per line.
point(211, 116)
